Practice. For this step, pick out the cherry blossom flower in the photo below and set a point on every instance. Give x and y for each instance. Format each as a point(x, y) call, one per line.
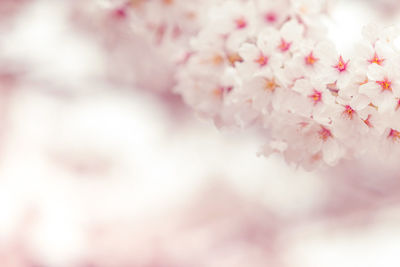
point(315, 101)
point(264, 91)
point(272, 13)
point(367, 53)
point(259, 56)
point(311, 60)
point(383, 86)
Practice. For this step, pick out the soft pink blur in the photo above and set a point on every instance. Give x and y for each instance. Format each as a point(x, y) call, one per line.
point(98, 172)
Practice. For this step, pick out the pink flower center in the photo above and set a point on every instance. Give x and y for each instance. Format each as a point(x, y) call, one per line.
point(342, 65)
point(310, 59)
point(386, 84)
point(324, 134)
point(120, 13)
point(262, 60)
point(241, 23)
point(348, 112)
point(270, 17)
point(219, 91)
point(284, 46)
point(375, 59)
point(394, 135)
point(316, 97)
point(270, 85)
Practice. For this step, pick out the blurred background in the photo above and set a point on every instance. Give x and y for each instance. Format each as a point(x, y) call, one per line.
point(95, 172)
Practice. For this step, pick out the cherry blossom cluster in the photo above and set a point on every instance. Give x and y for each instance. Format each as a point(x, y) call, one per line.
point(270, 65)
point(314, 105)
point(142, 39)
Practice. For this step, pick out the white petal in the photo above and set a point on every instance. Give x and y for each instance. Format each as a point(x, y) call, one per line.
point(386, 102)
point(292, 30)
point(302, 86)
point(331, 152)
point(370, 89)
point(359, 102)
point(383, 51)
point(371, 31)
point(364, 51)
point(396, 88)
point(376, 72)
point(249, 51)
point(327, 51)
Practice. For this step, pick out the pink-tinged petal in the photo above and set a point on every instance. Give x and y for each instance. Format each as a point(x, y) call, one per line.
point(348, 92)
point(280, 99)
point(389, 34)
point(360, 102)
point(342, 101)
point(396, 88)
point(327, 51)
point(246, 69)
point(291, 71)
point(249, 51)
point(302, 86)
point(262, 83)
point(385, 102)
point(266, 38)
point(344, 80)
point(393, 70)
point(276, 62)
point(329, 75)
point(370, 89)
point(292, 30)
point(322, 114)
point(328, 98)
point(376, 72)
point(235, 41)
point(299, 105)
point(364, 51)
point(371, 32)
point(383, 51)
point(331, 152)
point(256, 84)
